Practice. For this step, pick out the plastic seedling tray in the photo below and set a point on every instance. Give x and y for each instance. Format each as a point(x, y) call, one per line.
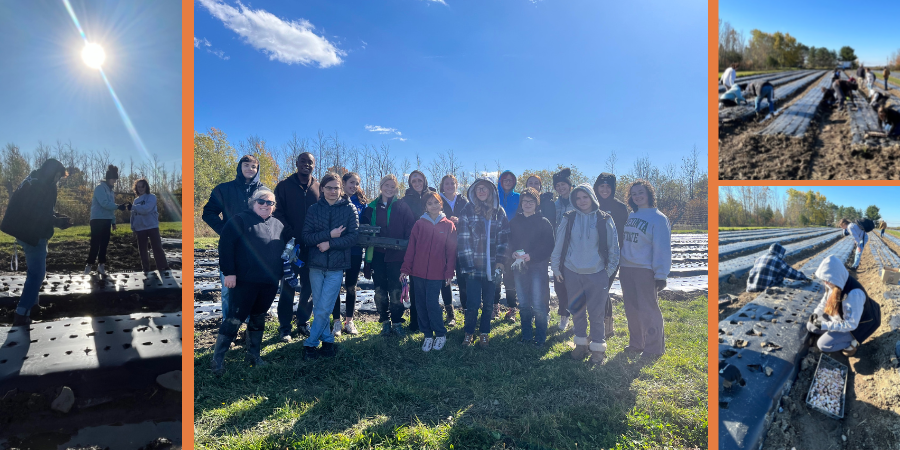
point(829, 363)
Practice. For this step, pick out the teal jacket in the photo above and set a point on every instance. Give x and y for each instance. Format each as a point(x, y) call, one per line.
point(103, 204)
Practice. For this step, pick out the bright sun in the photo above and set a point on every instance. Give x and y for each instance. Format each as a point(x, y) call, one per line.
point(93, 55)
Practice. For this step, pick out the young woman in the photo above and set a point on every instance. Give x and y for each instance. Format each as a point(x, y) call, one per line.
point(430, 260)
point(330, 231)
point(860, 237)
point(889, 120)
point(562, 183)
point(483, 234)
point(250, 250)
point(145, 225)
point(453, 206)
point(646, 261)
point(357, 198)
point(103, 219)
point(605, 190)
point(846, 315)
point(530, 246)
point(548, 208)
point(383, 265)
point(585, 255)
point(415, 198)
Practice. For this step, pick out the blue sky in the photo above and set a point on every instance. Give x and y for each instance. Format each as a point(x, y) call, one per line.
point(529, 83)
point(48, 92)
point(829, 23)
point(860, 197)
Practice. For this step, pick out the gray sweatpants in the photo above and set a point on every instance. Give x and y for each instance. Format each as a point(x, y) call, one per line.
point(831, 341)
point(645, 321)
point(588, 295)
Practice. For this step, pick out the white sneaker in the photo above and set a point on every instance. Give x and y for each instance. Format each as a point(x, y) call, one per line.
point(350, 328)
point(563, 323)
point(87, 269)
point(101, 268)
point(428, 344)
point(439, 342)
point(336, 330)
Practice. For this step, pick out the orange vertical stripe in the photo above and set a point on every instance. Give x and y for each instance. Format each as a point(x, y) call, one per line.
point(187, 223)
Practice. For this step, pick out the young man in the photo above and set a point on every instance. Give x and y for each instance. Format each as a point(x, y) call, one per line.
point(887, 74)
point(859, 236)
point(294, 195)
point(228, 199)
point(509, 200)
point(562, 182)
point(771, 270)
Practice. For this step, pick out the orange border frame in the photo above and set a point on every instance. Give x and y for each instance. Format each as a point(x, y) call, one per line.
point(187, 223)
point(712, 388)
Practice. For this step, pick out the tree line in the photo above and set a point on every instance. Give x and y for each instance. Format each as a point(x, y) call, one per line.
point(779, 50)
point(761, 206)
point(86, 169)
point(681, 189)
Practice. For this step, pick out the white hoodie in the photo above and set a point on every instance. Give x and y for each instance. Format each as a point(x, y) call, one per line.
point(144, 215)
point(859, 235)
point(648, 242)
point(834, 272)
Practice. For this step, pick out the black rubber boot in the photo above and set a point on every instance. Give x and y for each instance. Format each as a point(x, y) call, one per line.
point(254, 346)
point(328, 350)
point(227, 332)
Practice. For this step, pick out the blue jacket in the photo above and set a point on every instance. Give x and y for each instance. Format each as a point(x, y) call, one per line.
point(103, 204)
point(510, 203)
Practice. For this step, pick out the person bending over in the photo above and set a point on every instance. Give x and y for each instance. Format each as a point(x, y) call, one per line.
point(771, 270)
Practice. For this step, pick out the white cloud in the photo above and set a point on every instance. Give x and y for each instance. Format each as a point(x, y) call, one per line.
point(364, 44)
point(399, 139)
point(529, 137)
point(205, 44)
point(220, 54)
point(437, 1)
point(199, 42)
point(382, 130)
point(289, 42)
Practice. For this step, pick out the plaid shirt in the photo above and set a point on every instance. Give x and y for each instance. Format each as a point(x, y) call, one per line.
point(472, 241)
point(771, 269)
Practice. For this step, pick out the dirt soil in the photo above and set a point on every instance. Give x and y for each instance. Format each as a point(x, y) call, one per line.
point(824, 153)
point(872, 413)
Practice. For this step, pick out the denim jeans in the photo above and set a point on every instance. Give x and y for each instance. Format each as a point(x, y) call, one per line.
point(480, 290)
point(430, 314)
point(326, 285)
point(857, 252)
point(767, 92)
point(36, 260)
point(226, 296)
point(533, 288)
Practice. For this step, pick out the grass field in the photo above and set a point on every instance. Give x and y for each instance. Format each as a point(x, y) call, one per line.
point(83, 233)
point(385, 393)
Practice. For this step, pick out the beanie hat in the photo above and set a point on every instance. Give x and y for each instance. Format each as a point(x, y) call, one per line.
point(607, 178)
point(563, 175)
point(112, 172)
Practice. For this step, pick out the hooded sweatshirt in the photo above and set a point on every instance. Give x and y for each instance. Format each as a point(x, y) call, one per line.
point(583, 256)
point(648, 242)
point(103, 202)
point(612, 206)
point(861, 316)
point(431, 253)
point(482, 242)
point(144, 215)
point(534, 235)
point(29, 214)
point(771, 270)
point(510, 201)
point(734, 94)
point(416, 200)
point(250, 247)
point(230, 198)
point(858, 234)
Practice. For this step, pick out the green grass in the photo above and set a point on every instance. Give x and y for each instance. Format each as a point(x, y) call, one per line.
point(206, 242)
point(892, 80)
point(83, 233)
point(895, 233)
point(385, 393)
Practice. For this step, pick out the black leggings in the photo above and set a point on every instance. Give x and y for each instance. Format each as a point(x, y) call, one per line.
point(101, 230)
point(351, 277)
point(251, 300)
point(447, 291)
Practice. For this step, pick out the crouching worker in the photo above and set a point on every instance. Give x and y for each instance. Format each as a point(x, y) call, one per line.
point(890, 121)
point(846, 316)
point(30, 219)
point(771, 270)
point(250, 250)
point(732, 97)
point(857, 230)
point(762, 90)
point(585, 256)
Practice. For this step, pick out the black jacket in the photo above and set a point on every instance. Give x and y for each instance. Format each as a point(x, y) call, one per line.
point(548, 208)
point(29, 215)
point(533, 234)
point(755, 87)
point(458, 206)
point(229, 199)
point(251, 248)
point(292, 203)
point(415, 200)
point(320, 220)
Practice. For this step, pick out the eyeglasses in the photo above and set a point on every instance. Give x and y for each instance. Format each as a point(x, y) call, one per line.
point(332, 188)
point(260, 201)
point(482, 189)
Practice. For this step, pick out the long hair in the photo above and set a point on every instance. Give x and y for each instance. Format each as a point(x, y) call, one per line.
point(431, 194)
point(651, 194)
point(485, 209)
point(833, 305)
point(360, 193)
point(446, 177)
point(328, 178)
point(135, 185)
point(529, 192)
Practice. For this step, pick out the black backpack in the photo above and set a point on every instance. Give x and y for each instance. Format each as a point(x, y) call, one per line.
point(865, 224)
point(601, 231)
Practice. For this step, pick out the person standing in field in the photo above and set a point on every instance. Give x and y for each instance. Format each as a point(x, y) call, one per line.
point(145, 225)
point(548, 207)
point(870, 81)
point(562, 182)
point(886, 73)
point(530, 246)
point(729, 77)
point(509, 201)
point(330, 231)
point(854, 230)
point(383, 265)
point(605, 190)
point(296, 194)
point(250, 248)
point(357, 197)
point(430, 259)
point(585, 256)
point(646, 262)
point(103, 219)
point(415, 198)
point(453, 206)
point(861, 71)
point(883, 227)
point(227, 200)
point(30, 219)
point(483, 241)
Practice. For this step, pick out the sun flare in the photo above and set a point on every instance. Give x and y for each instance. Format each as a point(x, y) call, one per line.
point(93, 55)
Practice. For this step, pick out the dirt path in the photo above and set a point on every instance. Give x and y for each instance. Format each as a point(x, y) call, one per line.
point(872, 418)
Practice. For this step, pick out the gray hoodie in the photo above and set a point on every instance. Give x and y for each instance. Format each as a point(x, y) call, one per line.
point(582, 256)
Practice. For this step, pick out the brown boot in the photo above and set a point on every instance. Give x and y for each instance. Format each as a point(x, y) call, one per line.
point(851, 350)
point(582, 349)
point(483, 340)
point(598, 353)
point(467, 342)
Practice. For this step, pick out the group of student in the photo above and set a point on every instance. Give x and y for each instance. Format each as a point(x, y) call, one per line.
point(846, 316)
point(761, 89)
point(488, 237)
point(31, 219)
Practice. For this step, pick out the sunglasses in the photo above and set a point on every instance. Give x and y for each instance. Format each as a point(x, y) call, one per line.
point(260, 201)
